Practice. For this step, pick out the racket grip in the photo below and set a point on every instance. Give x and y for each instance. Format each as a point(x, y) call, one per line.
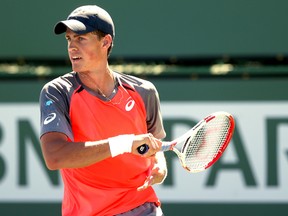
point(166, 146)
point(143, 149)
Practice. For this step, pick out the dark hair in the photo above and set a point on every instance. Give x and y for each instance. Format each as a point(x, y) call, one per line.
point(101, 35)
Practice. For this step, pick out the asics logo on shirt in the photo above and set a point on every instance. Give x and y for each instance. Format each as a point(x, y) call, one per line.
point(49, 118)
point(130, 104)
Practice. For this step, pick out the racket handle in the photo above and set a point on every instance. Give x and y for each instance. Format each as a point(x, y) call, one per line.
point(143, 149)
point(166, 146)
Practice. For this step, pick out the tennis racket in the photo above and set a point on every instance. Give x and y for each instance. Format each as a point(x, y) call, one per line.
point(200, 147)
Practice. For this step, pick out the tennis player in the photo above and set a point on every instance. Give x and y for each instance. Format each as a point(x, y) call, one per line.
point(93, 120)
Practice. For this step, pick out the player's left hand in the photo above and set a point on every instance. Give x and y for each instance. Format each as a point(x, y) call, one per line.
point(157, 176)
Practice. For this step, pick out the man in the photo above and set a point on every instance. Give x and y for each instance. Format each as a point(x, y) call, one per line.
point(94, 119)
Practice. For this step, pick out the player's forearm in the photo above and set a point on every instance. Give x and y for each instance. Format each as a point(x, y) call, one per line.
point(75, 154)
point(59, 153)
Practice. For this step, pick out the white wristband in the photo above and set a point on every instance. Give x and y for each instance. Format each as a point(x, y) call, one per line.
point(121, 144)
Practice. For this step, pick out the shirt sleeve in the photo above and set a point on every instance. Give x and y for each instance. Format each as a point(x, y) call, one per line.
point(153, 112)
point(54, 110)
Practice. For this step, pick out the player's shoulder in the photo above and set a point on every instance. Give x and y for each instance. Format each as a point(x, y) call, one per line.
point(66, 81)
point(135, 82)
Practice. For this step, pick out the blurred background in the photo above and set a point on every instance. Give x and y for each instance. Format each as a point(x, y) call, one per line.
point(203, 56)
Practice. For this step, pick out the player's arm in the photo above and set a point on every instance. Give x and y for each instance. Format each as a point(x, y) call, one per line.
point(161, 167)
point(60, 153)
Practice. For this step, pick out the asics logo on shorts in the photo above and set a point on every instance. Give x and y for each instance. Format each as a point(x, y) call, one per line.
point(49, 118)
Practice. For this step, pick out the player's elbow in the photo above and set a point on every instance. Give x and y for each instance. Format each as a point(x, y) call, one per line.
point(52, 145)
point(52, 159)
point(52, 163)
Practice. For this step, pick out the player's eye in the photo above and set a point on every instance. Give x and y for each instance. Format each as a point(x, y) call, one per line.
point(80, 38)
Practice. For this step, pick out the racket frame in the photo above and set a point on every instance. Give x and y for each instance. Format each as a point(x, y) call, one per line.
point(181, 154)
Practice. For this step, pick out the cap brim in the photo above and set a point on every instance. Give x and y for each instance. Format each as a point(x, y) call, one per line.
point(75, 25)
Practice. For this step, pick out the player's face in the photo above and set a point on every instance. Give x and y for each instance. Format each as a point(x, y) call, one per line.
point(85, 51)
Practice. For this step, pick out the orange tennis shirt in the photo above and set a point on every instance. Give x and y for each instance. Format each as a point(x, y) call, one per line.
point(108, 187)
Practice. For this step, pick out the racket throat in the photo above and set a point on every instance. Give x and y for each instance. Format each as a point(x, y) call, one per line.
point(181, 158)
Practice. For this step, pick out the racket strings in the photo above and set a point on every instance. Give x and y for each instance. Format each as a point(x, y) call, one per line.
point(204, 146)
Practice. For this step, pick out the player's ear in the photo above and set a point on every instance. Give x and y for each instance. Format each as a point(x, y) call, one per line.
point(107, 40)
